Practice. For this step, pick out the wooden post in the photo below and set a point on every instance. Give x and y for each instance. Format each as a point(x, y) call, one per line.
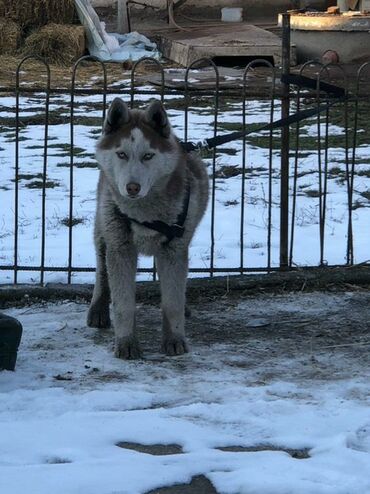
point(122, 21)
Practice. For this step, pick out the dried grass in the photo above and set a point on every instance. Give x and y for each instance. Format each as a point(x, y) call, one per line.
point(31, 14)
point(10, 36)
point(57, 43)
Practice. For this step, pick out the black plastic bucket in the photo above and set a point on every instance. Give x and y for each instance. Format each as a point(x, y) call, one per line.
point(10, 337)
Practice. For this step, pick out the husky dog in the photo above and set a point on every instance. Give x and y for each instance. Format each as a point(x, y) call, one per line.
point(151, 197)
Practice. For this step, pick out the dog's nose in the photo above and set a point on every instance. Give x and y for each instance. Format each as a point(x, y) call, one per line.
point(133, 189)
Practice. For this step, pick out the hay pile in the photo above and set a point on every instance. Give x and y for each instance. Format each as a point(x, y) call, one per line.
point(57, 43)
point(32, 14)
point(41, 27)
point(10, 36)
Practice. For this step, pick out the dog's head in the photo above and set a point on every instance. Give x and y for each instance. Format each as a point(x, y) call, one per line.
point(137, 149)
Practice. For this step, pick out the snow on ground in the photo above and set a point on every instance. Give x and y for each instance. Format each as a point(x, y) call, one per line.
point(274, 374)
point(228, 196)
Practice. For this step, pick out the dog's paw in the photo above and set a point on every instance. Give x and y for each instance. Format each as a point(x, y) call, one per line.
point(98, 316)
point(127, 348)
point(174, 345)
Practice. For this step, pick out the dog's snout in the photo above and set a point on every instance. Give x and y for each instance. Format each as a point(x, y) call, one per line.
point(133, 189)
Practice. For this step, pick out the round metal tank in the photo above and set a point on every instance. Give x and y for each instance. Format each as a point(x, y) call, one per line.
point(348, 34)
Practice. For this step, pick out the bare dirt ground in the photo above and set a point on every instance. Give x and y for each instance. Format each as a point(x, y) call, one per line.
point(307, 336)
point(327, 335)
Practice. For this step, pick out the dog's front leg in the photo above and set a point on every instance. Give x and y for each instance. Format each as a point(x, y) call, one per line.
point(98, 315)
point(121, 263)
point(173, 269)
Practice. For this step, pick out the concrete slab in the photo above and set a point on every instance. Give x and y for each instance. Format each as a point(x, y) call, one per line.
point(230, 40)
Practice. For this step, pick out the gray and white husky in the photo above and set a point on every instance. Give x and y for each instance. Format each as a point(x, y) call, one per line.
point(151, 197)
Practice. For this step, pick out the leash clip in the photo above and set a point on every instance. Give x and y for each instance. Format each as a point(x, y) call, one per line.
point(201, 145)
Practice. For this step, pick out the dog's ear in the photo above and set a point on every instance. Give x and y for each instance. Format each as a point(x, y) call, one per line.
point(118, 115)
point(156, 117)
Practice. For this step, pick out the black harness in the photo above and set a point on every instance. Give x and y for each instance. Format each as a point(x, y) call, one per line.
point(176, 230)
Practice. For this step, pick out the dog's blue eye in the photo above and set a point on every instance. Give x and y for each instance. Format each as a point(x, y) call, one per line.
point(147, 156)
point(121, 155)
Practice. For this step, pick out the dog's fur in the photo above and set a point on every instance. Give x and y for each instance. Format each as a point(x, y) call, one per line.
point(139, 147)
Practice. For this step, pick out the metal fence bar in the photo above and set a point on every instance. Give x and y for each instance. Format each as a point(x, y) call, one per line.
point(78, 269)
point(16, 178)
point(44, 175)
point(285, 145)
point(203, 62)
point(299, 97)
point(133, 88)
point(351, 171)
point(71, 161)
point(46, 89)
point(244, 153)
point(250, 67)
point(323, 170)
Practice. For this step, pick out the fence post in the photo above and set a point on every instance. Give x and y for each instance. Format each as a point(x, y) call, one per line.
point(284, 170)
point(122, 20)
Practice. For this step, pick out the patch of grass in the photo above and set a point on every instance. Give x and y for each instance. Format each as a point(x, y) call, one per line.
point(227, 171)
point(357, 205)
point(255, 245)
point(82, 164)
point(39, 184)
point(229, 151)
point(72, 221)
point(65, 149)
point(86, 164)
point(20, 138)
point(28, 176)
point(231, 203)
point(363, 173)
point(257, 169)
point(55, 118)
point(57, 461)
point(36, 146)
point(84, 155)
point(312, 193)
point(365, 195)
point(336, 170)
point(238, 126)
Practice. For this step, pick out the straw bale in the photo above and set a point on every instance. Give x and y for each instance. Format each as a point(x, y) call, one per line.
point(58, 43)
point(10, 35)
point(35, 13)
point(60, 11)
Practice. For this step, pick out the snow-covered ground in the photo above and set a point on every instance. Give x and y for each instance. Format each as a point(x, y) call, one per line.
point(283, 379)
point(87, 114)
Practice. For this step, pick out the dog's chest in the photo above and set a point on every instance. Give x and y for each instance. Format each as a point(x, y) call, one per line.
point(146, 240)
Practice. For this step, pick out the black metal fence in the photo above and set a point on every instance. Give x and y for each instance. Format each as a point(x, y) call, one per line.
point(283, 197)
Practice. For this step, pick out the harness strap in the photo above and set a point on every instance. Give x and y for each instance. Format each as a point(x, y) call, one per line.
point(170, 231)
